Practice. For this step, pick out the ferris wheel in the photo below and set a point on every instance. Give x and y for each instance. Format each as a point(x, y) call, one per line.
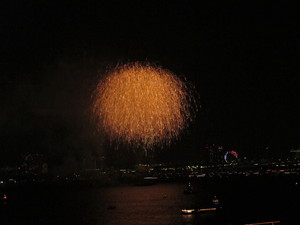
point(231, 156)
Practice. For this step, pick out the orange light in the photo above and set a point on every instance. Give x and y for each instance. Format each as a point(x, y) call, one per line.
point(208, 209)
point(142, 105)
point(188, 211)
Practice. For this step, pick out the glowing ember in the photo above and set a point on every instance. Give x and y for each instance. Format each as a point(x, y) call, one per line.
point(142, 105)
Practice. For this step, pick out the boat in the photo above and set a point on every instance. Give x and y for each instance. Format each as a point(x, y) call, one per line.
point(207, 210)
point(215, 201)
point(188, 211)
point(4, 199)
point(188, 189)
point(195, 211)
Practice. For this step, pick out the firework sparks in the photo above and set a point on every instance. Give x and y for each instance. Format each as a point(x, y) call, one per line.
point(142, 105)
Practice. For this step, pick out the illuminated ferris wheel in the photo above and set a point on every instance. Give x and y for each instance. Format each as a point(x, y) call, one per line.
point(231, 156)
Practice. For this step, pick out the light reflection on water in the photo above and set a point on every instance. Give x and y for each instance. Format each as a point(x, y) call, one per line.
point(159, 204)
point(150, 205)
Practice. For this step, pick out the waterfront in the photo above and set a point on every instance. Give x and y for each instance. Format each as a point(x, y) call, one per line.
point(246, 200)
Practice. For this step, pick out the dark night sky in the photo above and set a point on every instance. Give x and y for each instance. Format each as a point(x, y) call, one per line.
point(242, 58)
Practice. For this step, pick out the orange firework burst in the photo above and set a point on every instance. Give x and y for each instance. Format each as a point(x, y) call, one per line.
point(143, 105)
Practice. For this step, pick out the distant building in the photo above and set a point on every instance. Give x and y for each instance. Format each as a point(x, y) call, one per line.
point(295, 153)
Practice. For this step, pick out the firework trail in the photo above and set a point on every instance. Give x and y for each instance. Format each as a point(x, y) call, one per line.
point(142, 105)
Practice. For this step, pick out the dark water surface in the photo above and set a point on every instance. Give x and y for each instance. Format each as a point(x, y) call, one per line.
point(243, 201)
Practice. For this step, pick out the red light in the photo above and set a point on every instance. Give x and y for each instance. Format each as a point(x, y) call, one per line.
point(234, 153)
point(4, 197)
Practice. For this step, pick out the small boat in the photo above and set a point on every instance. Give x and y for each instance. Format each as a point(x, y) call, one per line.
point(215, 201)
point(4, 199)
point(188, 189)
point(194, 211)
point(188, 211)
point(207, 210)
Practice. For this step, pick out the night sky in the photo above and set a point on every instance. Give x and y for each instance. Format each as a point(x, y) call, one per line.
point(243, 60)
